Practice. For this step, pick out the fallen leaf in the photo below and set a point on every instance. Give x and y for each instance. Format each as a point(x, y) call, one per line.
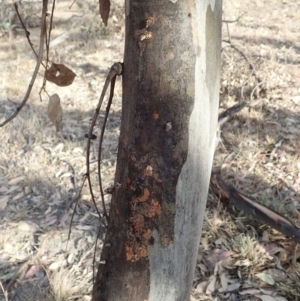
point(3, 189)
point(54, 266)
point(280, 298)
point(225, 254)
point(223, 281)
point(3, 201)
point(104, 7)
point(233, 287)
point(8, 276)
point(49, 220)
point(201, 287)
point(265, 297)
point(251, 291)
point(60, 75)
point(202, 267)
point(64, 218)
point(265, 236)
point(16, 180)
point(24, 226)
point(32, 271)
point(55, 112)
point(277, 275)
point(246, 262)
point(269, 292)
point(265, 278)
point(212, 286)
point(11, 189)
point(18, 196)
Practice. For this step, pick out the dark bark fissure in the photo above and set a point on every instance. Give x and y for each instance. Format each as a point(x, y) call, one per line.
point(158, 68)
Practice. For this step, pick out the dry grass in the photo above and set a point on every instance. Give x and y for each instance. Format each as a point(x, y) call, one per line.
point(258, 153)
point(66, 284)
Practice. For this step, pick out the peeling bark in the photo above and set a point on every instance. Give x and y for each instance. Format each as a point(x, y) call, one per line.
point(169, 119)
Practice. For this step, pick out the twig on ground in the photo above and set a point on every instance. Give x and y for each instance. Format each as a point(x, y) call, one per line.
point(75, 200)
point(250, 206)
point(73, 178)
point(233, 21)
point(256, 88)
point(37, 67)
point(227, 114)
point(5, 294)
point(251, 66)
point(72, 4)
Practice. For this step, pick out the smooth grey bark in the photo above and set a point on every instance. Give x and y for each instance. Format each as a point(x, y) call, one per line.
point(179, 258)
point(169, 117)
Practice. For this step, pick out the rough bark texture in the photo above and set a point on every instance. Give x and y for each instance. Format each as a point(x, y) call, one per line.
point(170, 104)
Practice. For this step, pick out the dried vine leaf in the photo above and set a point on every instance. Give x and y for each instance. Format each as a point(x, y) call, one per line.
point(55, 112)
point(60, 75)
point(104, 7)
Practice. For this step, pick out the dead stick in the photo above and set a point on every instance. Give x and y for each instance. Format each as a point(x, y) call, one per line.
point(116, 69)
point(250, 206)
point(37, 66)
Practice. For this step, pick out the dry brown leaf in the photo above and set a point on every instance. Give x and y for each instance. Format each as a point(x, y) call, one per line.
point(55, 112)
point(104, 7)
point(60, 75)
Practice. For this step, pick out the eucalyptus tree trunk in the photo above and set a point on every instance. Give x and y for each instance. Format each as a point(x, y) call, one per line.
point(169, 117)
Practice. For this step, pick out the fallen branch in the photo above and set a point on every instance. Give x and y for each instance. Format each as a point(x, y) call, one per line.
point(227, 114)
point(229, 194)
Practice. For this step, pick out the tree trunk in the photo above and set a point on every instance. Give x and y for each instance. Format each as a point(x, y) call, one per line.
point(169, 118)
